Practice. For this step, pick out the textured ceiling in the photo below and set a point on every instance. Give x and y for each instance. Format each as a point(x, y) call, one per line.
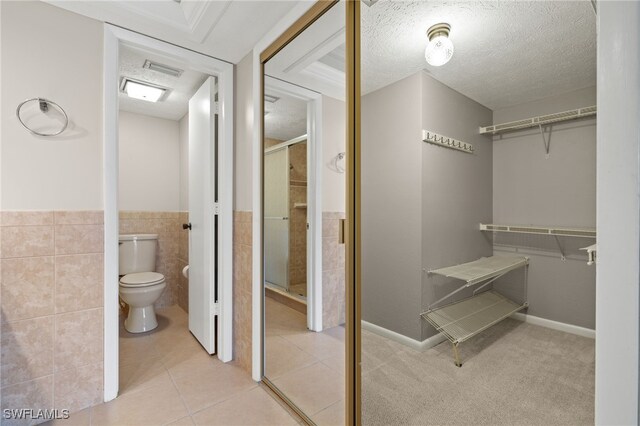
point(176, 104)
point(224, 29)
point(286, 118)
point(506, 52)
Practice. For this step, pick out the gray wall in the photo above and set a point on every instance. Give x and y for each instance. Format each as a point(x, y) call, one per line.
point(456, 188)
point(391, 194)
point(423, 203)
point(530, 189)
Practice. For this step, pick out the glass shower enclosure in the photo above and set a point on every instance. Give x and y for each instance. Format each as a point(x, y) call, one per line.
point(276, 217)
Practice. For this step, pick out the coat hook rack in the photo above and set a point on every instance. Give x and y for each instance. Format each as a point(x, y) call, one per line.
point(446, 141)
point(43, 104)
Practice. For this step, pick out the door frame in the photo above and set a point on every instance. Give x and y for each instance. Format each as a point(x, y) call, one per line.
point(223, 71)
point(314, 194)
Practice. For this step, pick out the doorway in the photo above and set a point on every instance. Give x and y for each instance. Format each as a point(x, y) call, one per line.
point(210, 302)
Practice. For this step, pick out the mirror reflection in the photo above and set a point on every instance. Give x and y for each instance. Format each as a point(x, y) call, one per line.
point(304, 206)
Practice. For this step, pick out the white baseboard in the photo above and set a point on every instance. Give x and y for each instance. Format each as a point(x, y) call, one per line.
point(555, 325)
point(404, 340)
point(432, 341)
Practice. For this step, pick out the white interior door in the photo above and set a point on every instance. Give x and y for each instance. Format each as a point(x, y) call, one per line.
point(202, 238)
point(276, 217)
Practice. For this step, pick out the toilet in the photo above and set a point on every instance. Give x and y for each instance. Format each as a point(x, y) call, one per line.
point(140, 286)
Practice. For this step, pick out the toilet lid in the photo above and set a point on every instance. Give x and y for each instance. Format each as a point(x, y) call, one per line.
point(141, 279)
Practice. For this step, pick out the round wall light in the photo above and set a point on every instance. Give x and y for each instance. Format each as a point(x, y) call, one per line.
point(440, 49)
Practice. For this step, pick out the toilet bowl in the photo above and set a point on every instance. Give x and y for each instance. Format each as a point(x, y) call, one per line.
point(140, 291)
point(140, 286)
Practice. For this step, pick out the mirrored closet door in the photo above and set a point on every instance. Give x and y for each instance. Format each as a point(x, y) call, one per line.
point(304, 199)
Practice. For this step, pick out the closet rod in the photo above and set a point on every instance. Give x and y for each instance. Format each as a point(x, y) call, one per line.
point(540, 120)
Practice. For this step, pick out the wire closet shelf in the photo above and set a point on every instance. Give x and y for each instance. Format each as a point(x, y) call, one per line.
point(461, 320)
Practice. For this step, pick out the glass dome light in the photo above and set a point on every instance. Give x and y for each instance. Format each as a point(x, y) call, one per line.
point(440, 49)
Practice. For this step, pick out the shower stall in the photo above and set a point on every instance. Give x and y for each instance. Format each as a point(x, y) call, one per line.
point(285, 226)
point(276, 217)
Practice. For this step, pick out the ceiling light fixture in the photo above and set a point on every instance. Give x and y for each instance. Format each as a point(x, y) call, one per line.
point(143, 91)
point(440, 49)
point(165, 69)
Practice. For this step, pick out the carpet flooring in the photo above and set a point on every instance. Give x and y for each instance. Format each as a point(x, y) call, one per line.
point(513, 374)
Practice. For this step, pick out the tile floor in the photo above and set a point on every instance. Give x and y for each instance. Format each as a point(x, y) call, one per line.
point(307, 366)
point(166, 378)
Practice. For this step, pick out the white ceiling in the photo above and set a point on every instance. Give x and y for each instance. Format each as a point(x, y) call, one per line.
point(506, 52)
point(224, 29)
point(286, 118)
point(312, 60)
point(174, 105)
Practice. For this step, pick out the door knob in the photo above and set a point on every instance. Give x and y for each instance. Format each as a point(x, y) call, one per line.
point(186, 226)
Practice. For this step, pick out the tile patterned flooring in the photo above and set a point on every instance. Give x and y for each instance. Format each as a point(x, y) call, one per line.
point(307, 366)
point(166, 378)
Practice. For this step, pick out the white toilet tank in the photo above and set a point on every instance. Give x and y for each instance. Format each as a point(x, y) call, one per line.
point(138, 253)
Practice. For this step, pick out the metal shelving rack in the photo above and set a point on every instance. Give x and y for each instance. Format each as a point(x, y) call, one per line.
point(459, 321)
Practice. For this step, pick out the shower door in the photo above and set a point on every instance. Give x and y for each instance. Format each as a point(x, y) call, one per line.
point(276, 220)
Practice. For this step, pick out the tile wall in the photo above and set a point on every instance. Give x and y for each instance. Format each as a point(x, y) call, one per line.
point(242, 281)
point(173, 250)
point(333, 271)
point(51, 280)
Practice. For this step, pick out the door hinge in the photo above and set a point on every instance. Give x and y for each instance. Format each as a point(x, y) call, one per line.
point(216, 208)
point(216, 308)
point(216, 107)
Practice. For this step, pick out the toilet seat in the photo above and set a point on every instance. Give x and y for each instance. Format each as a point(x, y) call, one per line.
point(141, 279)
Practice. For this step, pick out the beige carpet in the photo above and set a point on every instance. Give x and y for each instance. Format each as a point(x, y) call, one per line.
point(513, 374)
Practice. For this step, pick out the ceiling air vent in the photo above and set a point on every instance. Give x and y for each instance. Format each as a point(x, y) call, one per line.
point(270, 98)
point(165, 69)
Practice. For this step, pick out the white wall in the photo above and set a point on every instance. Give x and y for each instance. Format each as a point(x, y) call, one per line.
point(149, 164)
point(617, 272)
point(63, 172)
point(244, 134)
point(334, 135)
point(184, 162)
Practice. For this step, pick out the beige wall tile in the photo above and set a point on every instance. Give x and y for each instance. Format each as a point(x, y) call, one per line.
point(329, 253)
point(26, 218)
point(78, 388)
point(78, 339)
point(26, 241)
point(27, 288)
point(35, 394)
point(330, 228)
point(27, 350)
point(89, 217)
point(79, 282)
point(78, 239)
